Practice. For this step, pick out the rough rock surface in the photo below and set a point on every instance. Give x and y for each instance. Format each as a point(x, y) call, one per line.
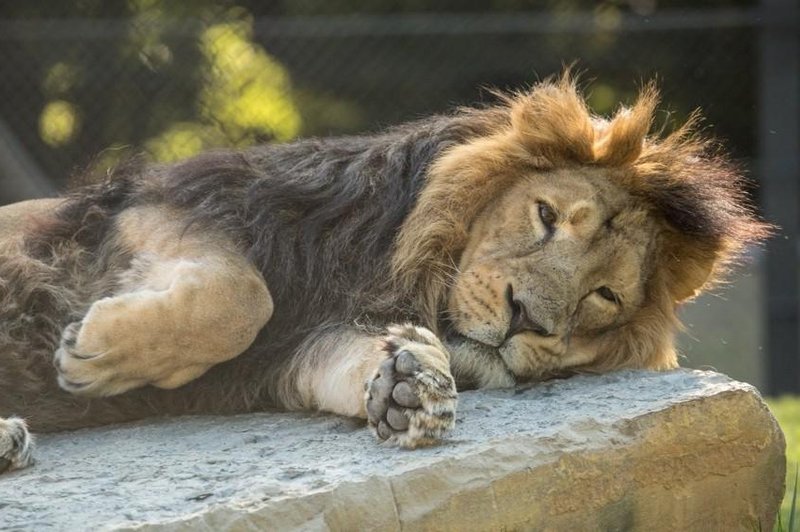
point(684, 450)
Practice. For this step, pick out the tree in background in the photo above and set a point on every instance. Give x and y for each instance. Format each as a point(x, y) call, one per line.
point(90, 82)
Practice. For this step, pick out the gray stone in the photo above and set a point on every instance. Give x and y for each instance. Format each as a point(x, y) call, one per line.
point(684, 450)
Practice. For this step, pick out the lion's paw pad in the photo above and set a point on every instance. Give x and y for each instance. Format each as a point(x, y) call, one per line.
point(410, 404)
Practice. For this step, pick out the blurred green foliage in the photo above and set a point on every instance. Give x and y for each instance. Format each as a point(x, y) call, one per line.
point(173, 78)
point(787, 411)
point(233, 93)
point(245, 95)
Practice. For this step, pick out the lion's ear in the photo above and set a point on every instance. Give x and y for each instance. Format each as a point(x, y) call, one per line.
point(620, 141)
point(689, 264)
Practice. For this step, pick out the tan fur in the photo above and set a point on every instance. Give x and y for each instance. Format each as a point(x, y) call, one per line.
point(332, 372)
point(620, 141)
point(188, 302)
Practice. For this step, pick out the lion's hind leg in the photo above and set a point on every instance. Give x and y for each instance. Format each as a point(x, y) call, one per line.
point(16, 445)
point(206, 311)
point(188, 302)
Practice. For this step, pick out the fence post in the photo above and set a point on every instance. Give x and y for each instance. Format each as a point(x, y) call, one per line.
point(779, 169)
point(21, 177)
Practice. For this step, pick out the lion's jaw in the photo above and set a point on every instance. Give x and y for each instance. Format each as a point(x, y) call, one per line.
point(549, 297)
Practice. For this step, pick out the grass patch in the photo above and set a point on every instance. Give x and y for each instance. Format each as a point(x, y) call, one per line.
point(787, 412)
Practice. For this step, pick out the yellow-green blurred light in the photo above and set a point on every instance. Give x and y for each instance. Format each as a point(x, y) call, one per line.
point(58, 123)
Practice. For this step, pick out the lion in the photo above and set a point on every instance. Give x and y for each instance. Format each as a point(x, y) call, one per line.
point(369, 276)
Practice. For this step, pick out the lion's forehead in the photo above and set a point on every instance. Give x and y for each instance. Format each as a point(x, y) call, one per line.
point(590, 205)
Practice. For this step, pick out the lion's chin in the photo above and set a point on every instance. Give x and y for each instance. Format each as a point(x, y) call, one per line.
point(533, 358)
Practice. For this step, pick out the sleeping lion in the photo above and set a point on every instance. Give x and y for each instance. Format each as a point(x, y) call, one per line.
point(369, 276)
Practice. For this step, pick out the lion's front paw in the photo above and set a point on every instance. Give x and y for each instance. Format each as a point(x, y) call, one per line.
point(411, 400)
point(16, 445)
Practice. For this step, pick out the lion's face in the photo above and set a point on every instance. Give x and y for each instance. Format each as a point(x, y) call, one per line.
point(552, 269)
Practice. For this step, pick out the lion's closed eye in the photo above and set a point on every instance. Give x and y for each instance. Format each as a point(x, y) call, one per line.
point(548, 216)
point(608, 294)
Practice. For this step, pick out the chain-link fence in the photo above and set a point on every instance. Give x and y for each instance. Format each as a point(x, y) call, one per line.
point(83, 93)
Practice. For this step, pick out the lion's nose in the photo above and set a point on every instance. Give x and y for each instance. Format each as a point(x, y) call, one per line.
point(520, 319)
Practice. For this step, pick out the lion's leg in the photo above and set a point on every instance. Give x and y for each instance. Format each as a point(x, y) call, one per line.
point(189, 316)
point(400, 382)
point(16, 445)
point(189, 301)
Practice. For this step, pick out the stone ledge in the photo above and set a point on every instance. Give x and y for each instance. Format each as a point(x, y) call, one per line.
point(684, 450)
